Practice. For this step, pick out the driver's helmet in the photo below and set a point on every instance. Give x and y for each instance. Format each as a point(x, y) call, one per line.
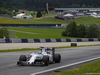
point(39, 52)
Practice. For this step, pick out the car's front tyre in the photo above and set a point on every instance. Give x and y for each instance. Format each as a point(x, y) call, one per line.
point(22, 60)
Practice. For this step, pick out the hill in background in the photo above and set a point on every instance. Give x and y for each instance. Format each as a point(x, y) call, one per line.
point(41, 4)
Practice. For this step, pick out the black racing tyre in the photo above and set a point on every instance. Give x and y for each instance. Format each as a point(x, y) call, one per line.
point(22, 58)
point(57, 58)
point(46, 60)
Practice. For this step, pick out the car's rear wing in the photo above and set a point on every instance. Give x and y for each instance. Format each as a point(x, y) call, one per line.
point(48, 48)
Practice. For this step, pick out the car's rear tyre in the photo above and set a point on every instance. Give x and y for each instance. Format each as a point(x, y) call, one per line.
point(22, 58)
point(46, 60)
point(57, 58)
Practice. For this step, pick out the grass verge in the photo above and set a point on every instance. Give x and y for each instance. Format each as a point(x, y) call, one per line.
point(41, 33)
point(18, 50)
point(49, 20)
point(31, 49)
point(92, 68)
point(87, 20)
point(11, 21)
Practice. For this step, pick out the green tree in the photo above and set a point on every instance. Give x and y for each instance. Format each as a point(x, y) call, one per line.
point(81, 31)
point(14, 13)
point(4, 33)
point(71, 29)
point(93, 31)
point(32, 13)
point(84, 6)
point(64, 33)
point(5, 11)
point(75, 6)
point(39, 14)
point(41, 4)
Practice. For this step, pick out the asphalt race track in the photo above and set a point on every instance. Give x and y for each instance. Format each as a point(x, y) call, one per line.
point(69, 55)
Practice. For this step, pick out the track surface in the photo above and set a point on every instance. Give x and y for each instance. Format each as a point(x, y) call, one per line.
point(69, 55)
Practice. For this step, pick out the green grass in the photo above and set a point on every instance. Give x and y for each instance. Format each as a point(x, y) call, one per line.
point(11, 21)
point(50, 20)
point(93, 67)
point(87, 20)
point(18, 50)
point(40, 33)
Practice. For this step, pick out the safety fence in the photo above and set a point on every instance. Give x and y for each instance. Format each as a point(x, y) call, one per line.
point(30, 25)
point(46, 40)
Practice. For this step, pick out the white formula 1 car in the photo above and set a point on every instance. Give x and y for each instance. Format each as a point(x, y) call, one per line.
point(44, 57)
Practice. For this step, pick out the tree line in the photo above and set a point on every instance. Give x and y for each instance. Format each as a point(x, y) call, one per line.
point(82, 31)
point(4, 33)
point(41, 4)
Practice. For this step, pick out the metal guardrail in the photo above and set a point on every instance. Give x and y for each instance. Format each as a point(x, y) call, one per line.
point(46, 40)
point(30, 25)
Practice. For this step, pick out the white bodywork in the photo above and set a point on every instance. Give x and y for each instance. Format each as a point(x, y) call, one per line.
point(35, 56)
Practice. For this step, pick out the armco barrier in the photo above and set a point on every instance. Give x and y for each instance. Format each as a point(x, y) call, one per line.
point(2, 40)
point(36, 40)
point(24, 40)
point(46, 40)
point(16, 41)
point(79, 40)
point(29, 25)
point(90, 39)
point(8, 41)
point(68, 40)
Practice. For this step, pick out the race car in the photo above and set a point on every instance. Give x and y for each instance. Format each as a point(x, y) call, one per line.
point(44, 57)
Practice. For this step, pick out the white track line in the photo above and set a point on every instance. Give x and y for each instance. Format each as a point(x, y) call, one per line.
point(66, 66)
